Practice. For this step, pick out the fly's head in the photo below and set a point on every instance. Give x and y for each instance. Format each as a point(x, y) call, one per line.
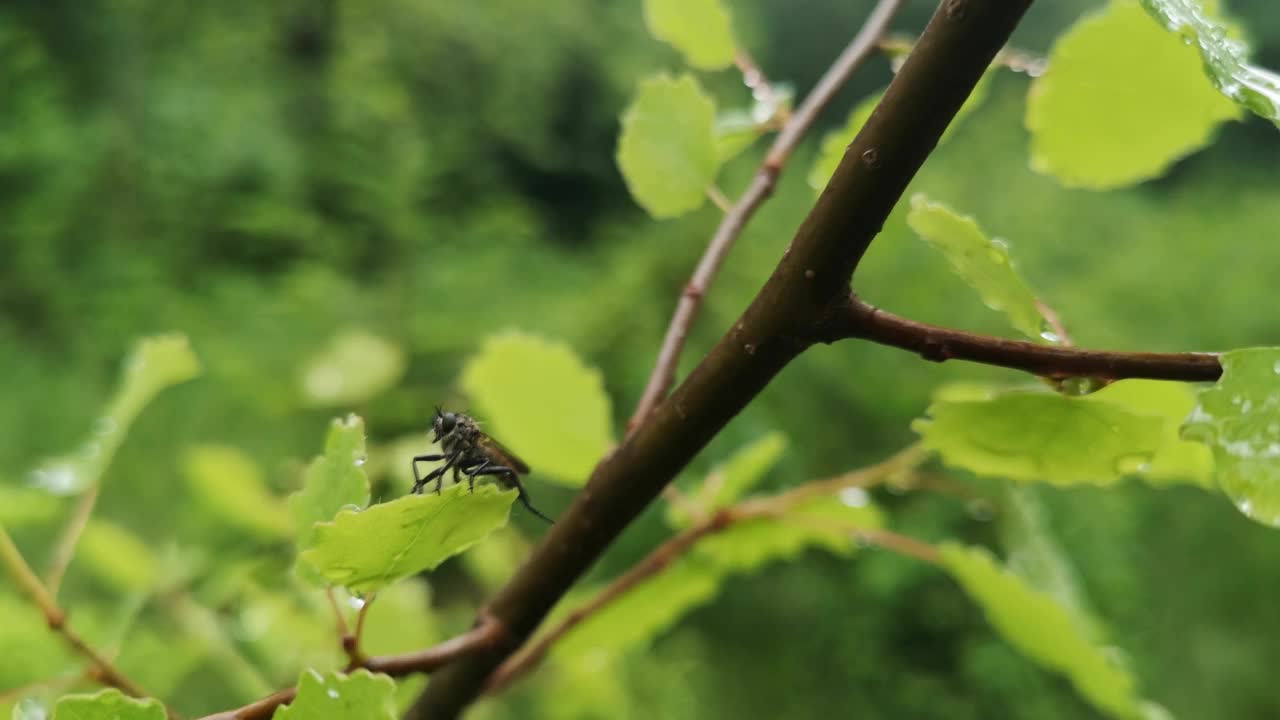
point(443, 425)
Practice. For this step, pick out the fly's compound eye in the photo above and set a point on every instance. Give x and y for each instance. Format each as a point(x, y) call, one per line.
point(445, 423)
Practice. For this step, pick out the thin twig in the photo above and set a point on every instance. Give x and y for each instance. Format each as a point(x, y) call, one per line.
point(65, 550)
point(859, 50)
point(352, 646)
point(102, 668)
point(773, 506)
point(938, 344)
point(339, 617)
point(901, 544)
point(718, 198)
point(484, 635)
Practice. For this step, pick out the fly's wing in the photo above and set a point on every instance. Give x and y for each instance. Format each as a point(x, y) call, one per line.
point(500, 454)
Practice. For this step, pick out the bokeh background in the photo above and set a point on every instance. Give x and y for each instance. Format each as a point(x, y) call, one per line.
point(266, 177)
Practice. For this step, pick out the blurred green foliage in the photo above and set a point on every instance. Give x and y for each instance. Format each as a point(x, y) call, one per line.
point(270, 178)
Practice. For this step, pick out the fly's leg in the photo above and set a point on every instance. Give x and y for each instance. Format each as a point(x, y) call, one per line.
point(473, 469)
point(511, 479)
point(437, 474)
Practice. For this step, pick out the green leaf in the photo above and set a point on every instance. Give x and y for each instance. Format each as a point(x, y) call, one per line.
point(743, 470)
point(154, 364)
point(543, 403)
point(334, 480)
point(980, 261)
point(230, 484)
point(335, 696)
point(835, 142)
point(118, 556)
point(354, 367)
point(699, 29)
point(1043, 630)
point(1222, 52)
point(1035, 555)
point(109, 704)
point(1239, 419)
point(368, 549)
point(667, 151)
point(645, 611)
point(1177, 460)
point(825, 522)
point(400, 620)
point(1042, 437)
point(1121, 102)
point(735, 131)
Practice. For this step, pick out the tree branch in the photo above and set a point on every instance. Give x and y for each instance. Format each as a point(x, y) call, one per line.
point(777, 505)
point(863, 320)
point(483, 635)
point(863, 45)
point(101, 669)
point(809, 286)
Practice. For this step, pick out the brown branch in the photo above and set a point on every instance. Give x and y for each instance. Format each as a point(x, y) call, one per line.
point(657, 561)
point(489, 632)
point(863, 45)
point(791, 312)
point(533, 654)
point(65, 550)
point(102, 669)
point(862, 320)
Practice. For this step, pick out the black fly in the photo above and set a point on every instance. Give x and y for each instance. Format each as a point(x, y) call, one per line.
point(469, 451)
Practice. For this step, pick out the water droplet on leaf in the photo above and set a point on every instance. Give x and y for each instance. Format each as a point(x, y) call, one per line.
point(854, 497)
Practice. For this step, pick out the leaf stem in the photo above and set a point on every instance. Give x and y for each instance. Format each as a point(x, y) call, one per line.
point(65, 550)
point(101, 668)
point(862, 47)
point(488, 632)
point(937, 344)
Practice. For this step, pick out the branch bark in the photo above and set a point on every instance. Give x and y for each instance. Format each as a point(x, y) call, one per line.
point(482, 635)
point(862, 47)
point(863, 320)
point(791, 312)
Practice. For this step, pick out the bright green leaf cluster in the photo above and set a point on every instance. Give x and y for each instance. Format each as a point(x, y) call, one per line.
point(1044, 630)
point(365, 550)
point(700, 29)
point(361, 695)
point(1120, 102)
point(1239, 419)
point(354, 367)
point(540, 400)
point(980, 261)
point(667, 151)
point(109, 704)
point(1223, 54)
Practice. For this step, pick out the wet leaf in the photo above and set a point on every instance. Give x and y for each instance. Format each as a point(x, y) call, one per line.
point(1042, 437)
point(109, 704)
point(699, 29)
point(825, 522)
point(1121, 101)
point(361, 695)
point(980, 261)
point(334, 480)
point(1239, 419)
point(1177, 460)
point(368, 549)
point(540, 400)
point(1223, 53)
point(154, 364)
point(1043, 630)
point(667, 151)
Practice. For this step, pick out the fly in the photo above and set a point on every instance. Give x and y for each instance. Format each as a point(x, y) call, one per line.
point(469, 451)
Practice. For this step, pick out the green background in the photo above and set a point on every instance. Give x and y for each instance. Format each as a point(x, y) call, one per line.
point(263, 176)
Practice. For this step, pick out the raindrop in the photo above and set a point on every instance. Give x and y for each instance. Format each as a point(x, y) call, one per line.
point(332, 693)
point(104, 426)
point(360, 461)
point(356, 603)
point(854, 497)
point(1276, 367)
point(1050, 336)
point(751, 349)
point(979, 509)
point(59, 478)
